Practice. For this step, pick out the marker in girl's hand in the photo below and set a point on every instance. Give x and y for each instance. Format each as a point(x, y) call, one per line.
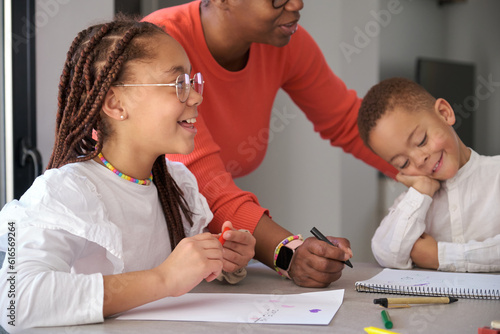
point(221, 239)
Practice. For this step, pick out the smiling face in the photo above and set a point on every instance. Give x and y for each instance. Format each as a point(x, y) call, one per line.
point(420, 142)
point(156, 122)
point(257, 21)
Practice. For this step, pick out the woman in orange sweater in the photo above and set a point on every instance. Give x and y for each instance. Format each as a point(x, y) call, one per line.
point(246, 53)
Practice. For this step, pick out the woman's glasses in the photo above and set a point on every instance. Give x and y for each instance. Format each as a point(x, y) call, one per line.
point(182, 85)
point(279, 3)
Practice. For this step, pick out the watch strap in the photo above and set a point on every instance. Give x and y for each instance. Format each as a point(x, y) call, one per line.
point(292, 242)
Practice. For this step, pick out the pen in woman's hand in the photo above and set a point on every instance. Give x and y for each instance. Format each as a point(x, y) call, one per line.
point(320, 236)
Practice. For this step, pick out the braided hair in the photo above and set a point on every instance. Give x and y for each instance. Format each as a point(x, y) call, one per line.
point(96, 59)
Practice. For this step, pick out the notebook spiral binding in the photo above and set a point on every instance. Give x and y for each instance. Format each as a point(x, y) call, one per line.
point(430, 291)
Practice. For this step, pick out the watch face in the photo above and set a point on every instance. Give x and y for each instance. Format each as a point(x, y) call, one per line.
point(284, 257)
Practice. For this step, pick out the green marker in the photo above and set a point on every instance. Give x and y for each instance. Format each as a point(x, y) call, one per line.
point(386, 318)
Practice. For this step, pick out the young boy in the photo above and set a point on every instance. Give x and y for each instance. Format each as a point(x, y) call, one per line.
point(449, 218)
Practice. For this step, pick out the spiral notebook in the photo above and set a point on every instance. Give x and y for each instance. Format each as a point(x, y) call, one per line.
point(433, 283)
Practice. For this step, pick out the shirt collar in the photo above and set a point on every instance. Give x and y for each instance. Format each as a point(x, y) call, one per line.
point(466, 169)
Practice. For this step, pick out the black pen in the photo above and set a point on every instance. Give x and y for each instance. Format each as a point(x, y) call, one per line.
point(320, 236)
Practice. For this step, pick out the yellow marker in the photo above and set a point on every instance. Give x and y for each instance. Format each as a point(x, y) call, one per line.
point(375, 330)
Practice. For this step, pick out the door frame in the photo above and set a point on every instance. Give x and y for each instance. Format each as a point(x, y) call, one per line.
point(22, 160)
point(6, 147)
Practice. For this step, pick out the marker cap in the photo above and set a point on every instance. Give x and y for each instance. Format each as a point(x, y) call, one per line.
point(221, 238)
point(386, 318)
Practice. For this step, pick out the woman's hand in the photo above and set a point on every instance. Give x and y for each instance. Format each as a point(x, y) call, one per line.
point(316, 264)
point(239, 248)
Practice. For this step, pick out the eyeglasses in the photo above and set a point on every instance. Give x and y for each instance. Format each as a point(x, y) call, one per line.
point(182, 85)
point(279, 3)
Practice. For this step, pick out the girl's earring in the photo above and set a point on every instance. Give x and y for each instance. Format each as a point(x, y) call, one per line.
point(122, 117)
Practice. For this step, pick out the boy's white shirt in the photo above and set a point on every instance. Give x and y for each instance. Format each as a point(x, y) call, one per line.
point(76, 224)
point(463, 216)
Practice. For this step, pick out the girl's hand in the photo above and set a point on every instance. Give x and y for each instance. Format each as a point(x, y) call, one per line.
point(239, 248)
point(423, 184)
point(194, 259)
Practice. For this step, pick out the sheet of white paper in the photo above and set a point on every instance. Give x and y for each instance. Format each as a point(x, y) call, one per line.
point(312, 308)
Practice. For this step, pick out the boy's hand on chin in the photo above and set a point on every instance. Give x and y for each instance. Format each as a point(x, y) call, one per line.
point(423, 184)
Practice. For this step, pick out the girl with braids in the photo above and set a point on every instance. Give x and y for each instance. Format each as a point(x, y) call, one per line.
point(111, 224)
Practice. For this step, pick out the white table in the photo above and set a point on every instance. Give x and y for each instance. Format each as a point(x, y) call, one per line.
point(356, 312)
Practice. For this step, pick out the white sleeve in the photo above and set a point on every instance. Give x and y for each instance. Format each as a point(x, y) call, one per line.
point(473, 256)
point(404, 224)
point(40, 289)
point(202, 215)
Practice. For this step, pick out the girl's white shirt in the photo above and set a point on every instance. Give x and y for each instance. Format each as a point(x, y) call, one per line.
point(76, 224)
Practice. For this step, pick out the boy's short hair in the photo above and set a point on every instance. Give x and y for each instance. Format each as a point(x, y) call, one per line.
point(385, 97)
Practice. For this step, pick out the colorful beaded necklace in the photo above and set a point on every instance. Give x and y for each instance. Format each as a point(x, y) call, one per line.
point(124, 176)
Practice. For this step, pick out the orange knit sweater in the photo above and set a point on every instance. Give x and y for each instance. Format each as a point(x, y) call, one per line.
point(235, 116)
